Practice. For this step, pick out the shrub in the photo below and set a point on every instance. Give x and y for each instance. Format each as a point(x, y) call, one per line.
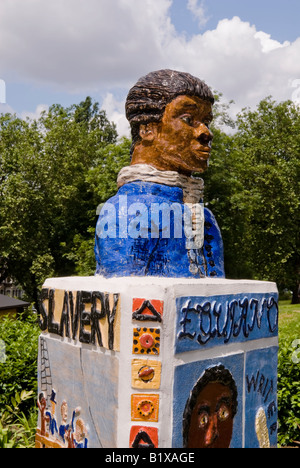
point(18, 369)
point(16, 429)
point(288, 393)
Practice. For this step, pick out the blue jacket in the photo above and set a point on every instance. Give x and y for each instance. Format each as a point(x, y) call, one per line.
point(127, 245)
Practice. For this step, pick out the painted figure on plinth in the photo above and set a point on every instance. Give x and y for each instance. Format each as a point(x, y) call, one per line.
point(158, 349)
point(156, 224)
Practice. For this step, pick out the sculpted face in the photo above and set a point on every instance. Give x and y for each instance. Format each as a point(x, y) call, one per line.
point(181, 141)
point(212, 419)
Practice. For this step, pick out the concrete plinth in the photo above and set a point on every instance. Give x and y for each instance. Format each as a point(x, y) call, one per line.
point(131, 362)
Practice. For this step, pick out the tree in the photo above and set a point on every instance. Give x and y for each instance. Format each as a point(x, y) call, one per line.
point(45, 197)
point(222, 187)
point(102, 182)
point(222, 183)
point(56, 171)
point(266, 153)
point(252, 186)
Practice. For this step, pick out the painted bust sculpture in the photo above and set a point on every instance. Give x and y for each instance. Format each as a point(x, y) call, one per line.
point(156, 225)
point(160, 355)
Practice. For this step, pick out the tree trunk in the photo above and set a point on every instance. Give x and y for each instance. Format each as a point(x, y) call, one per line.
point(296, 294)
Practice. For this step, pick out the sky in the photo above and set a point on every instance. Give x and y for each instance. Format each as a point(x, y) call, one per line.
point(61, 51)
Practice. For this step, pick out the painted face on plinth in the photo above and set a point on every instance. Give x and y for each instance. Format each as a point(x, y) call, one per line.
point(212, 420)
point(181, 141)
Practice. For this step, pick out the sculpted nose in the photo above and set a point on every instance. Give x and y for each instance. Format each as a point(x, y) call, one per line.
point(212, 431)
point(205, 136)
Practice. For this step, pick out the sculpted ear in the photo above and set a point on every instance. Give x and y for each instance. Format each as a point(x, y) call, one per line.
point(148, 132)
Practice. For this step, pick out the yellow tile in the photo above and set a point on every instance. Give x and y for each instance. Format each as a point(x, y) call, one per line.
point(146, 374)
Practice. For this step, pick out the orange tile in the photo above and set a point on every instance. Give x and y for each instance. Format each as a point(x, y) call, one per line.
point(143, 437)
point(144, 407)
point(146, 341)
point(147, 310)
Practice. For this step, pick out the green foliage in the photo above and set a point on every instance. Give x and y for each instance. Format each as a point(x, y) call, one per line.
point(19, 371)
point(267, 150)
point(46, 198)
point(82, 254)
point(56, 171)
point(16, 429)
point(222, 188)
point(288, 375)
point(288, 394)
point(253, 188)
point(18, 381)
point(102, 183)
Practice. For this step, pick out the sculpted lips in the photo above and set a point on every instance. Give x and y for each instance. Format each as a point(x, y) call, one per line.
point(204, 151)
point(204, 144)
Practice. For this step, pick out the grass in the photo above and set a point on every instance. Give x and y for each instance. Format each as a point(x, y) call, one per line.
point(289, 320)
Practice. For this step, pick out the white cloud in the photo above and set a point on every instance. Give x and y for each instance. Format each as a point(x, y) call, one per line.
point(36, 114)
point(237, 60)
point(269, 44)
point(96, 46)
point(198, 10)
point(296, 93)
point(6, 109)
point(115, 113)
point(82, 43)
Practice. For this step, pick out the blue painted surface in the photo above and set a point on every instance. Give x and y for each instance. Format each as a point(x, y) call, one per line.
point(185, 378)
point(205, 322)
point(128, 215)
point(261, 392)
point(89, 380)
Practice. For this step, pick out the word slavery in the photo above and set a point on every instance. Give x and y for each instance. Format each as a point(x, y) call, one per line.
point(80, 315)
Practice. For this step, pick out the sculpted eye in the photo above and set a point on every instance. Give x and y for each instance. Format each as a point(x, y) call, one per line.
point(223, 413)
point(203, 419)
point(188, 119)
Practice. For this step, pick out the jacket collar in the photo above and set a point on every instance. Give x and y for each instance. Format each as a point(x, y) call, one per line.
point(192, 187)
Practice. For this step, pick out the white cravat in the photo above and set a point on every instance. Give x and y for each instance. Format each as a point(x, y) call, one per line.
point(192, 187)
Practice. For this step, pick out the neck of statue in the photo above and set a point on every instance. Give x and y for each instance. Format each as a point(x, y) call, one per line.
point(192, 187)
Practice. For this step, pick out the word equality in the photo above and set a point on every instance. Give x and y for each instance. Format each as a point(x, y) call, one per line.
point(80, 315)
point(226, 318)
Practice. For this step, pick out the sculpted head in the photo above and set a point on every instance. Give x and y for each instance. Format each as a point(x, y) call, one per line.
point(210, 410)
point(169, 113)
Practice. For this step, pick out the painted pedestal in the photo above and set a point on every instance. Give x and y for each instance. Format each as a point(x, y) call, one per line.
point(156, 362)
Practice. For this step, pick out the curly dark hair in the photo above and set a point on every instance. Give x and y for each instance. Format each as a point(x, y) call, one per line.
point(217, 374)
point(147, 100)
